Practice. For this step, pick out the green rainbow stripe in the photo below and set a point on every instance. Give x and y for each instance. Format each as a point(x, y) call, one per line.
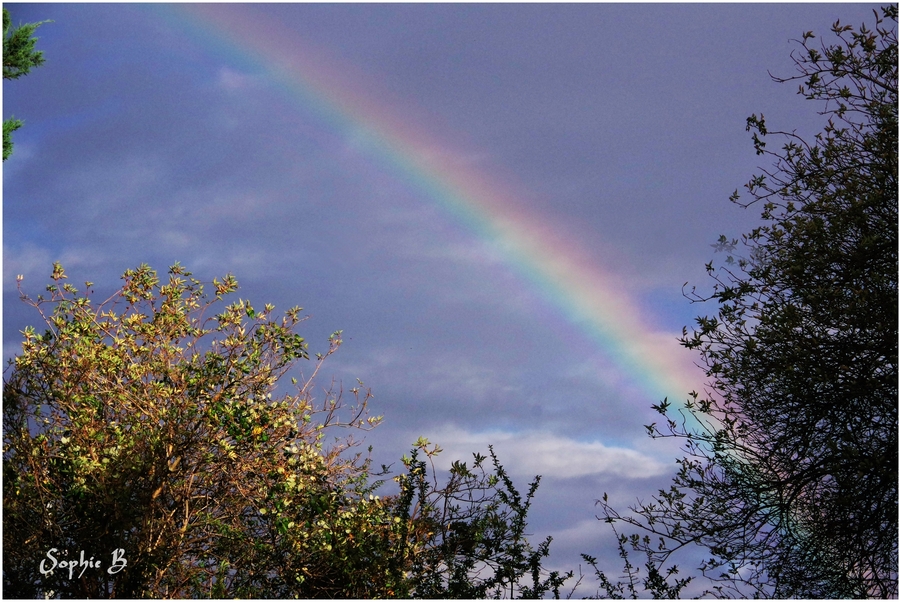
point(588, 296)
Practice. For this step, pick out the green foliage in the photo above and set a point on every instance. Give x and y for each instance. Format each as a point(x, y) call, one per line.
point(790, 482)
point(9, 126)
point(467, 538)
point(148, 425)
point(143, 424)
point(634, 586)
point(19, 57)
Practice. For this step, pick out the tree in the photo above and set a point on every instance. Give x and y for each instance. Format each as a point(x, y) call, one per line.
point(790, 477)
point(125, 430)
point(635, 585)
point(149, 451)
point(468, 537)
point(19, 57)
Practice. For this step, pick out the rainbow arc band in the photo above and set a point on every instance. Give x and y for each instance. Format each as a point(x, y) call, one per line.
point(586, 295)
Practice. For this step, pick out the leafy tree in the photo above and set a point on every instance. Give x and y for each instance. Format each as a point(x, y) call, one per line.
point(153, 436)
point(19, 57)
point(790, 477)
point(125, 429)
point(468, 538)
point(636, 585)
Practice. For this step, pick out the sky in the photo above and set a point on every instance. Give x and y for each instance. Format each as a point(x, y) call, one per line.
point(498, 204)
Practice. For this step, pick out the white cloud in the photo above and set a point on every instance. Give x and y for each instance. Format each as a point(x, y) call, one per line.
point(104, 187)
point(555, 457)
point(582, 534)
point(30, 261)
point(36, 262)
point(465, 377)
point(433, 372)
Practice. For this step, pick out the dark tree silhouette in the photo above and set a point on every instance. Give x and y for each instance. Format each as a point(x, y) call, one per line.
point(790, 479)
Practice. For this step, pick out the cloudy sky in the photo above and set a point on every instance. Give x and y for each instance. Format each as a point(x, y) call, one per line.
point(497, 204)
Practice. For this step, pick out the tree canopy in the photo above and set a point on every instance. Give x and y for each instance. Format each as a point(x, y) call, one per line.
point(151, 450)
point(19, 58)
point(790, 479)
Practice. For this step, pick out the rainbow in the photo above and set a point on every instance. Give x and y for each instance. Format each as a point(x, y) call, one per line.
point(588, 296)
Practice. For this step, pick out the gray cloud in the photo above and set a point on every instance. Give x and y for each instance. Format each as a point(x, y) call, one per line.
point(622, 126)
